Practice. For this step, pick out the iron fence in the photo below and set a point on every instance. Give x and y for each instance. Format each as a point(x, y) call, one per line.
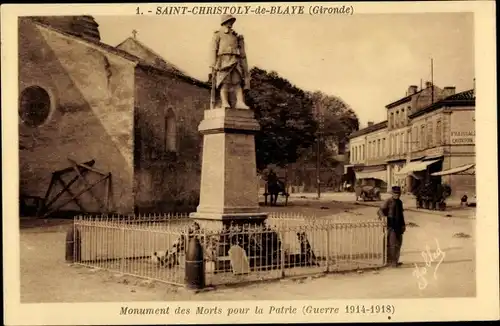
point(154, 246)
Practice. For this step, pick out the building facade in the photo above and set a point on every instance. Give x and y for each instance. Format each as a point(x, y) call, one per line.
point(133, 113)
point(443, 136)
point(429, 131)
point(367, 154)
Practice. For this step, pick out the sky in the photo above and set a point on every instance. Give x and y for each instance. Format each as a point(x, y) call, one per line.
point(368, 60)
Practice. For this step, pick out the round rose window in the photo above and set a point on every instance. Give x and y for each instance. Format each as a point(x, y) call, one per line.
point(34, 106)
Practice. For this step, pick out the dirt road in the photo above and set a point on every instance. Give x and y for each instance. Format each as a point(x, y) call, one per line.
point(46, 277)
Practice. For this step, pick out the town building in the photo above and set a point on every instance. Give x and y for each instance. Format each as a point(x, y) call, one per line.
point(368, 154)
point(442, 137)
point(429, 133)
point(125, 107)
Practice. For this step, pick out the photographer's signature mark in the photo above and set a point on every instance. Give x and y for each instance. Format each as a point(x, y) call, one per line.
point(430, 258)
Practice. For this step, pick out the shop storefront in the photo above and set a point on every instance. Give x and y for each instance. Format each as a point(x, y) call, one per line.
point(394, 178)
point(349, 178)
point(372, 176)
point(461, 179)
point(417, 172)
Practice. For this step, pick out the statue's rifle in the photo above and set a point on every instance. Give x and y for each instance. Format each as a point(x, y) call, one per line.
point(212, 91)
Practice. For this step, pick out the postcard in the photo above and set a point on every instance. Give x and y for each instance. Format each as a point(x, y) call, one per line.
point(249, 162)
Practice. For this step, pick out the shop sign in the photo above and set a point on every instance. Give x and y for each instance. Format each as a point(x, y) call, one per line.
point(463, 137)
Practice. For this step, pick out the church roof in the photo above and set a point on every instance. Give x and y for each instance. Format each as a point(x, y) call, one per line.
point(139, 62)
point(80, 26)
point(93, 42)
point(139, 49)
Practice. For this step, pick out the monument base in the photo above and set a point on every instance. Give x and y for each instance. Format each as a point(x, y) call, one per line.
point(216, 222)
point(225, 234)
point(229, 183)
point(229, 190)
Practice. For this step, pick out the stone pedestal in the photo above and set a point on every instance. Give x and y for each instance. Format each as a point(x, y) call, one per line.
point(229, 184)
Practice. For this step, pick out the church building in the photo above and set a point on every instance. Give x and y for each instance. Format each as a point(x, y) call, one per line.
point(125, 107)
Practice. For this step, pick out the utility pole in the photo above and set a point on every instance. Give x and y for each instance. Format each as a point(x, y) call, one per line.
point(319, 116)
point(432, 81)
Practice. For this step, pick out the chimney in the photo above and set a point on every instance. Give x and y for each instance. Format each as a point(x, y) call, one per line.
point(428, 84)
point(412, 89)
point(370, 123)
point(449, 91)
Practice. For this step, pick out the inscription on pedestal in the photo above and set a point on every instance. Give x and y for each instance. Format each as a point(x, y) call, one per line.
point(242, 149)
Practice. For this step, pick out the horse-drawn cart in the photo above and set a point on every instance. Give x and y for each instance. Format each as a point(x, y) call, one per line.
point(433, 196)
point(273, 190)
point(367, 193)
point(275, 187)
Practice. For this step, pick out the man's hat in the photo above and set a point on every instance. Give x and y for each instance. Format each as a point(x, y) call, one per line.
point(226, 18)
point(396, 190)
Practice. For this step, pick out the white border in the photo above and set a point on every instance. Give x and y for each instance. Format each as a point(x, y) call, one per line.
point(484, 307)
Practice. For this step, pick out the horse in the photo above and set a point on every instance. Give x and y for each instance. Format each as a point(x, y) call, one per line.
point(275, 188)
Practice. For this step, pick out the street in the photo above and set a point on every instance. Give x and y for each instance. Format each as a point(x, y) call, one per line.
point(438, 258)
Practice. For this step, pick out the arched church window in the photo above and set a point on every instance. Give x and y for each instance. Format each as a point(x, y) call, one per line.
point(170, 131)
point(34, 106)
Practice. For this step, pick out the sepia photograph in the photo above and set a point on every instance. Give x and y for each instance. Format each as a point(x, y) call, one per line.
point(182, 153)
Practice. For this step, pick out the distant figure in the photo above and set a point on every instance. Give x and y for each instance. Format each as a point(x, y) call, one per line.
point(272, 177)
point(274, 187)
point(464, 201)
point(392, 208)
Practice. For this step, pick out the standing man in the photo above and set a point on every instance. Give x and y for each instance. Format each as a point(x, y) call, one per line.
point(392, 208)
point(229, 64)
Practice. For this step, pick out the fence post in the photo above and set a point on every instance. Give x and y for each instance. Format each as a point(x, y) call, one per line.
point(327, 248)
point(194, 265)
point(282, 257)
point(73, 244)
point(123, 247)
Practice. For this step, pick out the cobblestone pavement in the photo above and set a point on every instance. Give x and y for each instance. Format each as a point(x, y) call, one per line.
point(46, 277)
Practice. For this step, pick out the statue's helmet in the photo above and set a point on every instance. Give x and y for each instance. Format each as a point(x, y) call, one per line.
point(227, 18)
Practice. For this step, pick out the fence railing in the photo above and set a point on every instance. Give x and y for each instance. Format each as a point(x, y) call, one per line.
point(154, 247)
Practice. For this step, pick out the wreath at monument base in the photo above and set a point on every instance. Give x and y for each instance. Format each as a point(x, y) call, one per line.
point(261, 244)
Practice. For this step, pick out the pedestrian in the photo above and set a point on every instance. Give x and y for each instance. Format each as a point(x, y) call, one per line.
point(392, 208)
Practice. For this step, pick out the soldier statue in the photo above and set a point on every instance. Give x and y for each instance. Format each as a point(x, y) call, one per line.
point(229, 65)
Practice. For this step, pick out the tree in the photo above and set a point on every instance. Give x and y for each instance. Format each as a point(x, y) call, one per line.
point(285, 116)
point(337, 123)
point(339, 120)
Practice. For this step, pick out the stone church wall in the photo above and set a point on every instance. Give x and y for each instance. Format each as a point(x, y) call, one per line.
point(91, 113)
point(167, 179)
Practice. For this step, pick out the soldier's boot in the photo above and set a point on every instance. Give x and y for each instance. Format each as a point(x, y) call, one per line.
point(224, 97)
point(240, 99)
